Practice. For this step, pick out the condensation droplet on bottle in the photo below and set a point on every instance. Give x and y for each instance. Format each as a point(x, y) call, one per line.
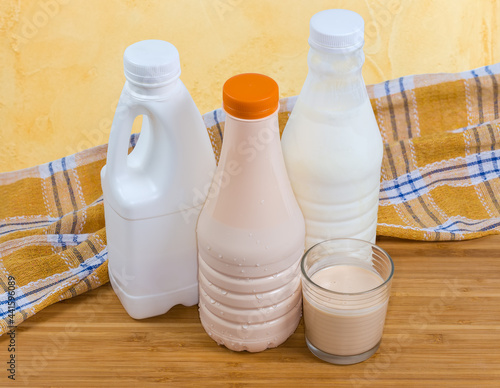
point(242, 271)
point(250, 234)
point(259, 297)
point(208, 247)
point(266, 247)
point(223, 292)
point(244, 326)
point(265, 269)
point(217, 303)
point(212, 301)
point(239, 264)
point(220, 256)
point(262, 202)
point(222, 313)
point(275, 275)
point(257, 265)
point(275, 306)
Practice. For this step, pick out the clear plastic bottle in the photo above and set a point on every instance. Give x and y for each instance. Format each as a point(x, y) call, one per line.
point(150, 195)
point(250, 231)
point(332, 144)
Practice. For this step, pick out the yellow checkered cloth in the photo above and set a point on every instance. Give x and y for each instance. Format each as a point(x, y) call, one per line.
point(440, 181)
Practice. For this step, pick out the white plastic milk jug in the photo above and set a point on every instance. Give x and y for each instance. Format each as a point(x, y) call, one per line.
point(150, 195)
point(331, 144)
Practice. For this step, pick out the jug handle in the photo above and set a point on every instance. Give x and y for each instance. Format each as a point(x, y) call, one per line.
point(119, 138)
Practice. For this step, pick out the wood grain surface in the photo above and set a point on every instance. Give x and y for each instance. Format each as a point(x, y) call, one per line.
point(442, 330)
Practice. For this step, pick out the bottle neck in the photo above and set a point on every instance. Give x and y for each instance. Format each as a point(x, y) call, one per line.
point(334, 64)
point(250, 139)
point(334, 82)
point(151, 92)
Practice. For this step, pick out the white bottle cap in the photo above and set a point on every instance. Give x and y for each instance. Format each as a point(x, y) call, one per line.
point(151, 62)
point(336, 30)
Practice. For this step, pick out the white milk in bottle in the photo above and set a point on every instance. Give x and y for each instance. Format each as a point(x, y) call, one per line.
point(331, 144)
point(251, 231)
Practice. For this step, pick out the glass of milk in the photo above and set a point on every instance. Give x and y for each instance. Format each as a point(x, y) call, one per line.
point(346, 285)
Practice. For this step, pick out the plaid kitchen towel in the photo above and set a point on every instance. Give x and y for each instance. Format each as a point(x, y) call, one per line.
point(440, 181)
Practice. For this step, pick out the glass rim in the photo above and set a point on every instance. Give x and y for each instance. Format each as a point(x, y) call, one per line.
point(306, 276)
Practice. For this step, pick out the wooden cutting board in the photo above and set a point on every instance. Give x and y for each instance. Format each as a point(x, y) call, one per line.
point(442, 330)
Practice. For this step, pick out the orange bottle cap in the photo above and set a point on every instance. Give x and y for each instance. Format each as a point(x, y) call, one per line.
point(250, 96)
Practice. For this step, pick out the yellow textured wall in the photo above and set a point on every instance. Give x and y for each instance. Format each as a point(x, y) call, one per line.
point(61, 60)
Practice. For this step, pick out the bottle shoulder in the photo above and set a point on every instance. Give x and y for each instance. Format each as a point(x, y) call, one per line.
point(337, 148)
point(172, 159)
point(251, 244)
point(330, 128)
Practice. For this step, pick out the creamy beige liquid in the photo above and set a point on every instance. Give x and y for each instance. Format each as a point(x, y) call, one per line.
point(249, 300)
point(340, 326)
point(250, 240)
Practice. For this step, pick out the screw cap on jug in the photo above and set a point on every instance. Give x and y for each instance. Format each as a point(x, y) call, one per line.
point(250, 96)
point(151, 62)
point(336, 30)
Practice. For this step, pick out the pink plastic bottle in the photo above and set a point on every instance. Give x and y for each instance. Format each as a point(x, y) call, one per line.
point(250, 232)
